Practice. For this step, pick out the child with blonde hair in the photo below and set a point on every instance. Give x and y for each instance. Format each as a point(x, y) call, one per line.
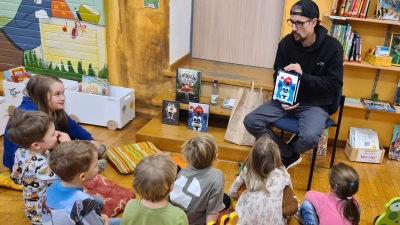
point(337, 207)
point(265, 179)
point(153, 180)
point(46, 93)
point(199, 188)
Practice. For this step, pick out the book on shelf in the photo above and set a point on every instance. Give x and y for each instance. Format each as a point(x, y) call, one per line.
point(353, 101)
point(188, 84)
point(198, 116)
point(351, 41)
point(350, 8)
point(394, 149)
point(378, 105)
point(170, 112)
point(397, 94)
point(387, 10)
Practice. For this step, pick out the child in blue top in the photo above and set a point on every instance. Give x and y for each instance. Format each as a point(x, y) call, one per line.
point(75, 162)
point(46, 93)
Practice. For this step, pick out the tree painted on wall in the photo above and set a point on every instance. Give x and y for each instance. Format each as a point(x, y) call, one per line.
point(35, 65)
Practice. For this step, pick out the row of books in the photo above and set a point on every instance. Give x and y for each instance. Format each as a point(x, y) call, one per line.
point(351, 41)
point(370, 104)
point(350, 8)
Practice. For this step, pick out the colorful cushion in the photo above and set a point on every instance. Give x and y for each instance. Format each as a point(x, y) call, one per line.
point(115, 197)
point(6, 181)
point(125, 158)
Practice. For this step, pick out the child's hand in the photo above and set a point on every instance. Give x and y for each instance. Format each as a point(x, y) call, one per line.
point(63, 137)
point(106, 219)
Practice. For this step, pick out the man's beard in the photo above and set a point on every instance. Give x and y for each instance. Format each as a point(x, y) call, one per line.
point(301, 39)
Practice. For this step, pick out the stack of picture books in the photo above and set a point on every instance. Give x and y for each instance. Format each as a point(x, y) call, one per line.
point(364, 138)
point(350, 8)
point(350, 40)
point(370, 104)
point(378, 105)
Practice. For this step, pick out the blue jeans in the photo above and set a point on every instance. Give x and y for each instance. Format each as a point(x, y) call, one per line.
point(308, 213)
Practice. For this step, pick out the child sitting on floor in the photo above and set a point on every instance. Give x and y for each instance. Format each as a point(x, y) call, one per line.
point(34, 131)
point(153, 180)
point(75, 162)
point(265, 179)
point(337, 207)
point(199, 189)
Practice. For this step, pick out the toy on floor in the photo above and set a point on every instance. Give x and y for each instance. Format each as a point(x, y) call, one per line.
point(231, 219)
point(391, 214)
point(6, 181)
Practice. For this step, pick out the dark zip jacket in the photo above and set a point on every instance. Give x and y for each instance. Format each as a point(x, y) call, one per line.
point(321, 63)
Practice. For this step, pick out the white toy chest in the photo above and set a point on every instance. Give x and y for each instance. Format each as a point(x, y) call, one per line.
point(14, 92)
point(113, 111)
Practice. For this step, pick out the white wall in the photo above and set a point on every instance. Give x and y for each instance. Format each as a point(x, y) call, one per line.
point(180, 22)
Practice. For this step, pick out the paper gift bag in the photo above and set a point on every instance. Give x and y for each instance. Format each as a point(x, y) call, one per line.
point(245, 102)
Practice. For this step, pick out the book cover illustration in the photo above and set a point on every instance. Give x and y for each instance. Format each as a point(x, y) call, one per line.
point(170, 112)
point(387, 10)
point(188, 83)
point(322, 144)
point(353, 101)
point(198, 116)
point(286, 87)
point(378, 105)
point(17, 75)
point(397, 95)
point(394, 149)
point(95, 85)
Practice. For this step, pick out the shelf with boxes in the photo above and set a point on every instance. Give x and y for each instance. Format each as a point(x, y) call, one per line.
point(360, 62)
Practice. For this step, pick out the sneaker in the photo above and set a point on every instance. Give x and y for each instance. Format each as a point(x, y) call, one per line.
point(102, 165)
point(102, 150)
point(298, 217)
point(292, 160)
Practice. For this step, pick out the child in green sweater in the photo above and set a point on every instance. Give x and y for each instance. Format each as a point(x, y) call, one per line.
point(153, 180)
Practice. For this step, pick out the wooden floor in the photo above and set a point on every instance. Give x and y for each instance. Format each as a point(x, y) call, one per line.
point(379, 183)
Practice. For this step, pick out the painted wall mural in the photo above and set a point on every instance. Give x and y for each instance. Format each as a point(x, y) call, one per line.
point(65, 38)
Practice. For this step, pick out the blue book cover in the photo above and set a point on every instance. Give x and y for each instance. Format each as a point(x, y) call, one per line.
point(286, 87)
point(198, 116)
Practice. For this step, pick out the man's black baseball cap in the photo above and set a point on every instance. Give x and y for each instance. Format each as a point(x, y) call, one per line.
point(306, 8)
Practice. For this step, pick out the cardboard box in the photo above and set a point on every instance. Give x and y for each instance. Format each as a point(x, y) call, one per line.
point(113, 111)
point(364, 155)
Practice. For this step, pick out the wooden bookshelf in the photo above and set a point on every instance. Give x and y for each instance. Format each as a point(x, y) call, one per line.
point(366, 20)
point(361, 106)
point(364, 64)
